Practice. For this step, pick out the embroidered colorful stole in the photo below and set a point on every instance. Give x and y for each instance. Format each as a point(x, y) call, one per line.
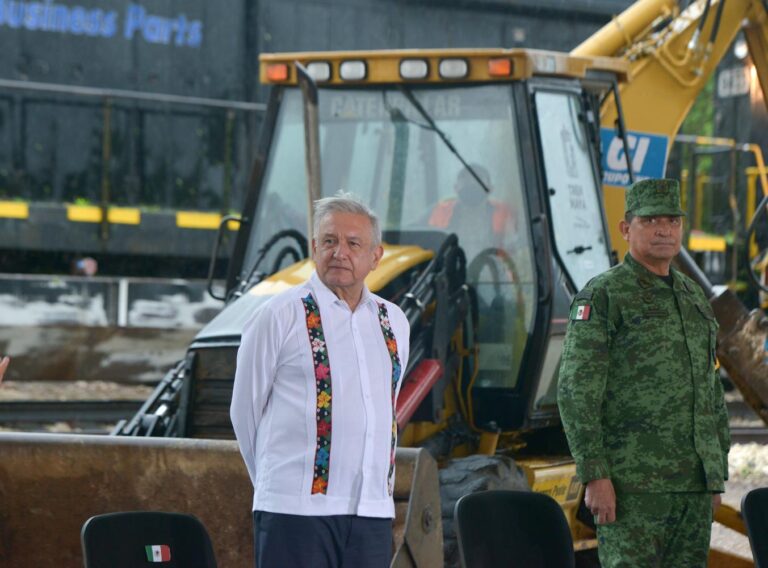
point(324, 395)
point(389, 338)
point(323, 389)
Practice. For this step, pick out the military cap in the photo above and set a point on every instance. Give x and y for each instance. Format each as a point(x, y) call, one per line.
point(653, 197)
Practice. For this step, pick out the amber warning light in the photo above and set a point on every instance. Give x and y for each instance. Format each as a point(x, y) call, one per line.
point(500, 67)
point(277, 72)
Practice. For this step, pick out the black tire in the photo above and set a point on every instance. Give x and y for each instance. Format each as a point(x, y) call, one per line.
point(473, 474)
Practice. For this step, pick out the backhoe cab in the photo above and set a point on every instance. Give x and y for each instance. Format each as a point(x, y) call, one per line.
point(497, 147)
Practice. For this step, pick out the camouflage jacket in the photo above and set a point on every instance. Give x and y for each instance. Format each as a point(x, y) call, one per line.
point(639, 395)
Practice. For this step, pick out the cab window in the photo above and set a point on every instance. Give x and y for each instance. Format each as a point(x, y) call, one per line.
point(572, 187)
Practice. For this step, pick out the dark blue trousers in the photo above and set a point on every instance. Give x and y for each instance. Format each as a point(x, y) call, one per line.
point(335, 541)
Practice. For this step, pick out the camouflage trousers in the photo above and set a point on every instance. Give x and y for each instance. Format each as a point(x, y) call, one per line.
point(657, 530)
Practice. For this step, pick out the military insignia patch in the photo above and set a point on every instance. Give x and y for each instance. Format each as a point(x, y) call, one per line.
point(580, 313)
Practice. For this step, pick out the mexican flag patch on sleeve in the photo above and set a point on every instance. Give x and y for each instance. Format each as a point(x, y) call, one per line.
point(158, 553)
point(580, 313)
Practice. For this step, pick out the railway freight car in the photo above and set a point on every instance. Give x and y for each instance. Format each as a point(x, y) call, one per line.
point(127, 127)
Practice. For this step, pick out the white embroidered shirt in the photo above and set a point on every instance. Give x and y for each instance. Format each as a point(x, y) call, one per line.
point(278, 406)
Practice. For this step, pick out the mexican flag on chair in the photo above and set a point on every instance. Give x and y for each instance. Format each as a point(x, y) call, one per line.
point(158, 553)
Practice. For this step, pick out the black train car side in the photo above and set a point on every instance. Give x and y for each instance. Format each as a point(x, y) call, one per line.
point(127, 127)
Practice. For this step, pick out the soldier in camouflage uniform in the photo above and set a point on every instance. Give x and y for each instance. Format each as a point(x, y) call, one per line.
point(640, 398)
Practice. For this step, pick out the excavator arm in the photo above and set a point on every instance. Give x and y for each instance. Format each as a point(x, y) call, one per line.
point(672, 54)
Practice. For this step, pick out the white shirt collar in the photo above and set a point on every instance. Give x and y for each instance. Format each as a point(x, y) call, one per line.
point(325, 294)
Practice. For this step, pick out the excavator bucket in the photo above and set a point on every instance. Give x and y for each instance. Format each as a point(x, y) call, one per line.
point(742, 349)
point(50, 484)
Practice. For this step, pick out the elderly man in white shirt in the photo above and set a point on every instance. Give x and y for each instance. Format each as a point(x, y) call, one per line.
point(313, 405)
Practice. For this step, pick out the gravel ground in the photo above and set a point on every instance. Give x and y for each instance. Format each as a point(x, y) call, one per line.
point(748, 469)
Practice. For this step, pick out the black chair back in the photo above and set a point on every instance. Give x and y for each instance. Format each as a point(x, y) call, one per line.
point(499, 529)
point(134, 539)
point(754, 509)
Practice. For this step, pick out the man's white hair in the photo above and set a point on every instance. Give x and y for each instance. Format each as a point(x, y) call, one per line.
point(344, 202)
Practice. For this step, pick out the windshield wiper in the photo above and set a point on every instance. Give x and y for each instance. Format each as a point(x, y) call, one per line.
point(442, 135)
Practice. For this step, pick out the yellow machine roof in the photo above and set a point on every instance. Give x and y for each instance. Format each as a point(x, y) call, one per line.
point(482, 65)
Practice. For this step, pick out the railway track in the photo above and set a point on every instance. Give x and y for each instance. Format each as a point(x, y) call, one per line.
point(746, 426)
point(87, 416)
point(747, 434)
point(99, 415)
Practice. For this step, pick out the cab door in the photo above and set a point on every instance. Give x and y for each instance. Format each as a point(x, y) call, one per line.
point(567, 134)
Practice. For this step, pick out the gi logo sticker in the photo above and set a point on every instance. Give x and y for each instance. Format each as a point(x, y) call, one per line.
point(648, 156)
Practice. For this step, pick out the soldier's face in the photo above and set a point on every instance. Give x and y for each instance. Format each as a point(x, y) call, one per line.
point(653, 239)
